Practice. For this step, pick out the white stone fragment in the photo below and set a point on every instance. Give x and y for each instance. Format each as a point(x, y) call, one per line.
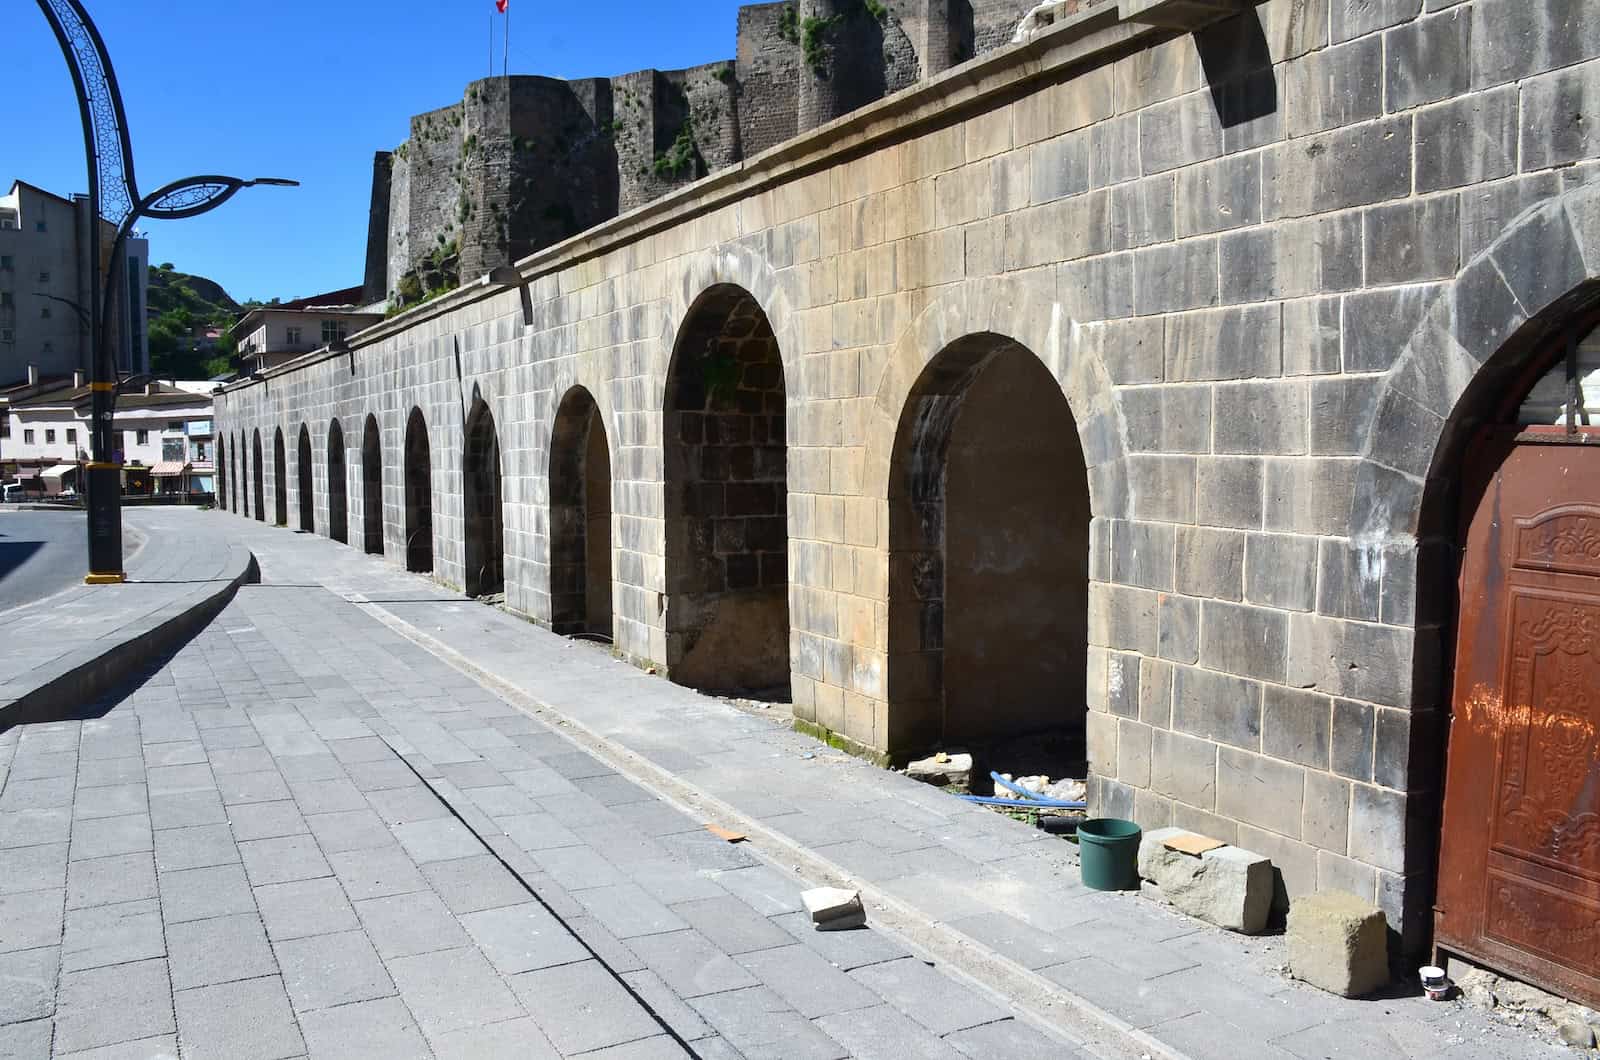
point(834, 908)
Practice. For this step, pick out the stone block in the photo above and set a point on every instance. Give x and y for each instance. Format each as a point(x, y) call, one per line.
point(1339, 943)
point(1178, 636)
point(1349, 579)
point(1122, 684)
point(1513, 39)
point(1229, 492)
point(1331, 171)
point(1311, 336)
point(1325, 822)
point(1262, 418)
point(1179, 132)
point(1142, 212)
point(1244, 639)
point(1413, 240)
point(1176, 14)
point(1229, 887)
point(1309, 496)
point(1342, 410)
point(1467, 141)
point(1219, 195)
point(1260, 791)
point(1378, 827)
point(1335, 86)
point(1210, 563)
point(1169, 419)
point(1292, 259)
point(1172, 278)
point(1487, 209)
point(1185, 769)
point(1351, 739)
point(1540, 260)
point(1295, 725)
point(942, 769)
point(1281, 571)
point(1216, 707)
point(1378, 324)
point(1352, 18)
point(1142, 554)
point(1162, 488)
point(1243, 343)
point(1131, 350)
point(1427, 60)
point(1155, 692)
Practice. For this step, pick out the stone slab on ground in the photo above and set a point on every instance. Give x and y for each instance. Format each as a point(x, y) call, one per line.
point(1339, 943)
point(1226, 885)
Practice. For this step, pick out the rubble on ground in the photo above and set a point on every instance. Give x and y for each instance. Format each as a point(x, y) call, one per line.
point(946, 769)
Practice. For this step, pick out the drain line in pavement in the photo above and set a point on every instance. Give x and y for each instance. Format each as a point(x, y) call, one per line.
point(522, 881)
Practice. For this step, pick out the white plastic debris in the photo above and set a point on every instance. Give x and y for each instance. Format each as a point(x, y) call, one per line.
point(834, 908)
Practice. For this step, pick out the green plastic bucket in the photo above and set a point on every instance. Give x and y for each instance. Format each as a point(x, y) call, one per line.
point(1108, 854)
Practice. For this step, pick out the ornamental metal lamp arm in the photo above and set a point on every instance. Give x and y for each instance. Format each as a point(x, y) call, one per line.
point(114, 197)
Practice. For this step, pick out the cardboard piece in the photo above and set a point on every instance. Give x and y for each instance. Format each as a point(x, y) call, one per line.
point(726, 834)
point(1190, 843)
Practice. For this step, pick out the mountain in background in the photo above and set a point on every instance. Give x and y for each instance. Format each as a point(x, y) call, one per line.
point(184, 309)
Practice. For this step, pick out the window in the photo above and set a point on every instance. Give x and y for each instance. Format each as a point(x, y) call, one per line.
point(332, 330)
point(44, 277)
point(175, 425)
point(5, 262)
point(39, 226)
point(72, 436)
point(202, 451)
point(44, 313)
point(291, 336)
point(49, 436)
point(5, 297)
point(141, 438)
point(7, 335)
point(27, 437)
point(172, 450)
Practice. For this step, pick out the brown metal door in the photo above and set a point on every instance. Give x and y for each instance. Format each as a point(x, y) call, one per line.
point(1519, 882)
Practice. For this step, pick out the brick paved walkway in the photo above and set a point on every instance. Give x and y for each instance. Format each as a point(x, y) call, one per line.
point(305, 835)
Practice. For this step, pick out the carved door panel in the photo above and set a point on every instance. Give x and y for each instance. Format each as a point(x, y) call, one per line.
point(1519, 883)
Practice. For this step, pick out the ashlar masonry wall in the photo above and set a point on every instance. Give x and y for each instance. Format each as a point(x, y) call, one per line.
point(1265, 262)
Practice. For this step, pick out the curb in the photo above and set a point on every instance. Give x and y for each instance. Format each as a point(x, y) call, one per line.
point(1016, 987)
point(61, 688)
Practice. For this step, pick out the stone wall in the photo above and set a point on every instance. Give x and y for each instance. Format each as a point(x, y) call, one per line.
point(1274, 267)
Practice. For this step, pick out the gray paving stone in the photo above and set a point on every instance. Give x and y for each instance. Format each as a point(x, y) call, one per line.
point(318, 765)
point(667, 1004)
point(33, 868)
point(1022, 942)
point(327, 970)
point(451, 990)
point(1012, 1037)
point(475, 774)
point(295, 857)
point(219, 950)
point(844, 949)
point(1130, 997)
point(264, 786)
point(763, 888)
point(407, 805)
point(580, 1007)
point(661, 1047)
point(26, 828)
point(92, 773)
point(884, 1033)
point(366, 1030)
point(264, 820)
point(405, 924)
point(541, 781)
point(181, 809)
point(808, 982)
point(30, 984)
point(377, 873)
point(27, 1041)
point(30, 919)
point(227, 761)
point(42, 794)
point(102, 935)
point(334, 795)
point(195, 894)
point(521, 938)
point(690, 964)
point(502, 800)
point(627, 911)
point(608, 949)
point(379, 776)
point(758, 1023)
point(103, 1006)
point(439, 839)
point(198, 847)
point(731, 925)
point(939, 1003)
point(612, 790)
point(119, 878)
point(246, 1020)
point(168, 780)
point(577, 868)
point(468, 885)
point(105, 836)
point(538, 831)
point(305, 907)
point(517, 1039)
point(113, 800)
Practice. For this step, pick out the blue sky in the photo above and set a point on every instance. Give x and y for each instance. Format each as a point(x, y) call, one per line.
point(307, 90)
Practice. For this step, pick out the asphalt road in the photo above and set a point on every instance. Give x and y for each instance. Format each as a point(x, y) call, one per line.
point(40, 553)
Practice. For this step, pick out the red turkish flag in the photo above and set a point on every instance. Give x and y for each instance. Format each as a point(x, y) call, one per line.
point(500, 5)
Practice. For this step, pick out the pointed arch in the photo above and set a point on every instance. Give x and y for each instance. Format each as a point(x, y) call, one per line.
point(280, 480)
point(482, 505)
point(418, 494)
point(580, 518)
point(338, 489)
point(306, 483)
point(371, 488)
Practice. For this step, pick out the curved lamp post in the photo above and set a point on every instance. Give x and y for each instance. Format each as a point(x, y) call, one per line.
point(114, 196)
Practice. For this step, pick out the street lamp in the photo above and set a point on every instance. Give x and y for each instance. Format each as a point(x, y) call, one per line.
point(114, 196)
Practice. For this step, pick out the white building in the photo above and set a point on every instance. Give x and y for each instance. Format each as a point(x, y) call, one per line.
point(163, 436)
point(269, 335)
point(45, 288)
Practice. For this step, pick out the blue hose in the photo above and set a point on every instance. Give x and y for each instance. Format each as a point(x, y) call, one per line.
point(1025, 804)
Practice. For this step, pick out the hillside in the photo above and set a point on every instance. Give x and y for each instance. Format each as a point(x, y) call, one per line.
point(182, 303)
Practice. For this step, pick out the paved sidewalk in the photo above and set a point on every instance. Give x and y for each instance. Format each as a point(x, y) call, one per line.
point(248, 800)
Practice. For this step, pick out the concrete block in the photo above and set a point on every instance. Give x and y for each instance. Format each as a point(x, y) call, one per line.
point(1339, 943)
point(1229, 887)
point(1467, 141)
point(834, 908)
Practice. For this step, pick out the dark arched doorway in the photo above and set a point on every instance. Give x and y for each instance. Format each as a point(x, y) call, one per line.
point(419, 495)
point(260, 485)
point(485, 532)
point(371, 488)
point(338, 493)
point(727, 617)
point(244, 476)
point(224, 478)
point(308, 504)
point(280, 480)
point(580, 518)
point(988, 561)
